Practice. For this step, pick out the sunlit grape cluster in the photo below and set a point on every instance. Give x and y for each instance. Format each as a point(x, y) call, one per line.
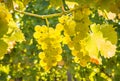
point(50, 41)
point(79, 35)
point(75, 29)
point(69, 24)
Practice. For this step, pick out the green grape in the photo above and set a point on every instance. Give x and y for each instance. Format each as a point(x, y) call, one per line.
point(75, 33)
point(59, 28)
point(63, 19)
point(81, 13)
point(70, 27)
point(37, 28)
point(36, 35)
point(50, 41)
point(80, 53)
point(68, 24)
point(78, 15)
point(84, 60)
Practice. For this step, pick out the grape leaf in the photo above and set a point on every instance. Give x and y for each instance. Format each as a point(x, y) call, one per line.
point(3, 48)
point(109, 33)
point(17, 36)
point(9, 4)
point(91, 47)
point(103, 41)
point(107, 49)
point(95, 28)
point(3, 29)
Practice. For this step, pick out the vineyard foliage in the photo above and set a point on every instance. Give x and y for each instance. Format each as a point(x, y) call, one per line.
point(59, 40)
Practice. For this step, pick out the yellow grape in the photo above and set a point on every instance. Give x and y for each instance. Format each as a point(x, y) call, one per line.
point(68, 24)
point(63, 19)
point(59, 28)
point(37, 28)
point(78, 29)
point(50, 41)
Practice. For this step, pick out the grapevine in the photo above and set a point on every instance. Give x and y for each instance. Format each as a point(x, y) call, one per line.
point(41, 39)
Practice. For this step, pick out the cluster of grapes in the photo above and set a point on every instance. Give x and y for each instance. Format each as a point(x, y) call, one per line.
point(75, 29)
point(87, 42)
point(50, 41)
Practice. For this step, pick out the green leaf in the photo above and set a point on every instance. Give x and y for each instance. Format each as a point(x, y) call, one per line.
point(107, 49)
point(3, 48)
point(95, 28)
point(25, 2)
point(17, 35)
point(56, 3)
point(91, 47)
point(3, 29)
point(9, 4)
point(102, 39)
point(109, 33)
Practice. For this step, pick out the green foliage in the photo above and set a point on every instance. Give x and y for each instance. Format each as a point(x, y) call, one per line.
point(56, 3)
point(9, 32)
point(3, 49)
point(3, 29)
point(76, 43)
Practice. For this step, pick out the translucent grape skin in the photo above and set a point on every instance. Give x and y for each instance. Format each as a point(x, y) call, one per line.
point(50, 41)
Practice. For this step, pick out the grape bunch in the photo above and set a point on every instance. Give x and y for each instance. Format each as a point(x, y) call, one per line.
point(87, 42)
point(50, 41)
point(75, 27)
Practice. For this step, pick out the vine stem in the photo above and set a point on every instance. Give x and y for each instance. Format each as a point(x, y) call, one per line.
point(105, 12)
point(46, 16)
